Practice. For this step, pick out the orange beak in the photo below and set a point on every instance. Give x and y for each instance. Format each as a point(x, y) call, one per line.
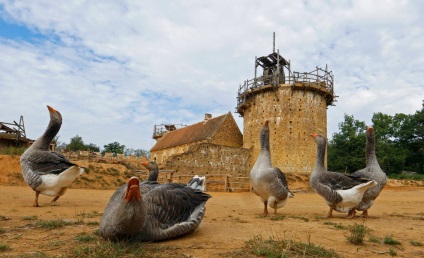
point(145, 163)
point(132, 191)
point(266, 123)
point(370, 129)
point(52, 110)
point(314, 135)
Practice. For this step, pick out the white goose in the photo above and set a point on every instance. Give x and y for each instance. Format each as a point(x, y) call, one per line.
point(48, 173)
point(150, 211)
point(269, 183)
point(372, 171)
point(341, 192)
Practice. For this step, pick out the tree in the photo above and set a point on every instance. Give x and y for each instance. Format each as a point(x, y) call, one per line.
point(346, 150)
point(92, 147)
point(114, 147)
point(76, 144)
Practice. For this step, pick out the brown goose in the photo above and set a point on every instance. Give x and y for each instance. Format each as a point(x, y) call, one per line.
point(269, 183)
point(48, 173)
point(152, 212)
point(341, 192)
point(373, 171)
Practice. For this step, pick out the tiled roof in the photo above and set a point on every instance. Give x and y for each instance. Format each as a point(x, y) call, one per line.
point(193, 133)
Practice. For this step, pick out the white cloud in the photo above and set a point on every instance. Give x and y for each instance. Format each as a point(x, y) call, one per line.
point(114, 69)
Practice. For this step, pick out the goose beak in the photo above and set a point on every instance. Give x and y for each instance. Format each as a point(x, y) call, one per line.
point(370, 129)
point(266, 123)
point(145, 163)
point(133, 190)
point(52, 110)
point(314, 135)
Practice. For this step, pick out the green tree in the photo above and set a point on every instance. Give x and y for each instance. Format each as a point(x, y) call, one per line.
point(92, 147)
point(114, 147)
point(76, 144)
point(346, 150)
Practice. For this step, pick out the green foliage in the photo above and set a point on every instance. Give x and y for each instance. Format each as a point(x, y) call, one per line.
point(92, 147)
point(416, 243)
point(392, 252)
point(357, 234)
point(399, 143)
point(76, 144)
point(13, 151)
point(4, 247)
point(346, 150)
point(114, 147)
point(390, 241)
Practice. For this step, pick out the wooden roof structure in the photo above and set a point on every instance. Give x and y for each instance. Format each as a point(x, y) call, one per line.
point(193, 133)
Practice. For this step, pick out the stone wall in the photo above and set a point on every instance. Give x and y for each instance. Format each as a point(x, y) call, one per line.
point(228, 134)
point(161, 156)
point(293, 116)
point(208, 159)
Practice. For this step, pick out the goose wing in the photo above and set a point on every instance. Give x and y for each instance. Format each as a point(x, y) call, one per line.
point(281, 179)
point(45, 162)
point(337, 181)
point(173, 210)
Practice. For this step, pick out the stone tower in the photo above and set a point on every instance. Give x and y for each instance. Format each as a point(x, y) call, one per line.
point(294, 103)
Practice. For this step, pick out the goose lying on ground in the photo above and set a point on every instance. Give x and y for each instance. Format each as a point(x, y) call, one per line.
point(152, 212)
point(340, 191)
point(269, 183)
point(372, 171)
point(48, 173)
point(197, 182)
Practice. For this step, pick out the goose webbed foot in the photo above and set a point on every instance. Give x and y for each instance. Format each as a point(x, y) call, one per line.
point(266, 213)
point(37, 193)
point(351, 214)
point(55, 199)
point(364, 214)
point(330, 213)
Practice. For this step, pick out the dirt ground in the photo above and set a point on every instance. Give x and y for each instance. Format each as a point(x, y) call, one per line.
point(231, 220)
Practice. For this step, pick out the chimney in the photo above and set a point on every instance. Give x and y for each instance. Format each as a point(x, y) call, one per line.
point(207, 117)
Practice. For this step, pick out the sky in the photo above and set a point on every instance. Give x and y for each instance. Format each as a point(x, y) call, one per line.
point(114, 69)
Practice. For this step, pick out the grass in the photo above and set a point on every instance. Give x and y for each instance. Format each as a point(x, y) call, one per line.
point(274, 247)
point(416, 243)
point(419, 177)
point(33, 217)
point(278, 217)
point(84, 237)
point(91, 214)
point(2, 230)
point(357, 234)
point(374, 239)
point(300, 217)
point(13, 151)
point(392, 252)
point(390, 241)
point(4, 247)
point(53, 224)
point(336, 225)
point(110, 249)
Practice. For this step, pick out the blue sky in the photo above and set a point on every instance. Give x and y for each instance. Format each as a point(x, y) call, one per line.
point(114, 69)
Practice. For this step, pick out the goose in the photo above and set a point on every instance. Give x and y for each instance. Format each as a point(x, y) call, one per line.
point(373, 171)
point(150, 211)
point(197, 182)
point(48, 173)
point(153, 170)
point(340, 191)
point(269, 183)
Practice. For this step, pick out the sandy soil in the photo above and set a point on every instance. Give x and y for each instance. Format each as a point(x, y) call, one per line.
point(231, 220)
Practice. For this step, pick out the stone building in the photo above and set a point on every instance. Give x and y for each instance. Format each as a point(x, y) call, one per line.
point(294, 103)
point(212, 146)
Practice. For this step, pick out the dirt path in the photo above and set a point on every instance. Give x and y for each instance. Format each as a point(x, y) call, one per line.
point(231, 220)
